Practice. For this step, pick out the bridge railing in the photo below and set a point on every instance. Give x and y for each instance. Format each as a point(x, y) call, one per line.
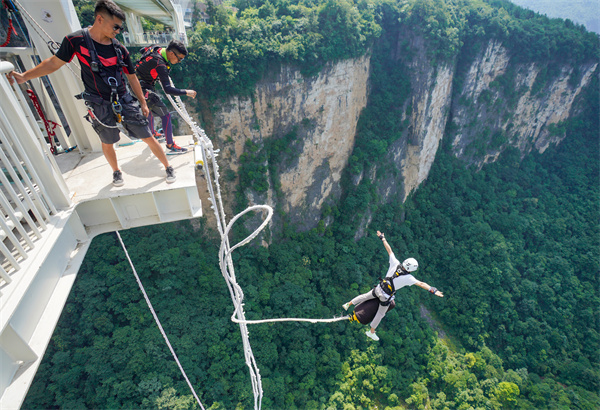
point(31, 184)
point(141, 39)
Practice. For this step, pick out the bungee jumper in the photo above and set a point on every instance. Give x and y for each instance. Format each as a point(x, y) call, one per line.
point(381, 297)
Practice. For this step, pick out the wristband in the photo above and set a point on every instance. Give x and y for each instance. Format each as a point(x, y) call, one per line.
point(433, 290)
point(382, 237)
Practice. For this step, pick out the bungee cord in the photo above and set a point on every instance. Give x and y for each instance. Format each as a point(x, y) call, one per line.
point(162, 331)
point(224, 257)
point(208, 155)
point(225, 250)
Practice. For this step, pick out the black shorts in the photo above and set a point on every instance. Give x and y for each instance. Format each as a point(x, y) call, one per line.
point(155, 104)
point(133, 119)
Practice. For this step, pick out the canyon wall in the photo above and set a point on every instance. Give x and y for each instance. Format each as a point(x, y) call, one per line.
point(482, 103)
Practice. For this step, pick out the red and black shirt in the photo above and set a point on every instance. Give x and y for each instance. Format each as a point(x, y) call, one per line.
point(153, 67)
point(74, 45)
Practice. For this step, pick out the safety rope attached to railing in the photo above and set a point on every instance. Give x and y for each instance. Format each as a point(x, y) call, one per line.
point(225, 261)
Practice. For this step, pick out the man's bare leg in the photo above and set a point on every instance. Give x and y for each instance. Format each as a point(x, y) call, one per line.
point(157, 150)
point(111, 156)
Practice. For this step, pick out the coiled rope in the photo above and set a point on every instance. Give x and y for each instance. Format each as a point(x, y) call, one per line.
point(225, 250)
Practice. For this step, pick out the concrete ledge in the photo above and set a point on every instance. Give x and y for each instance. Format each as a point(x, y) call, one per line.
point(32, 303)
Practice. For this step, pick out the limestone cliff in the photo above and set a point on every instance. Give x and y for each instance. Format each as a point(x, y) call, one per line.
point(483, 102)
point(499, 104)
point(326, 107)
point(502, 104)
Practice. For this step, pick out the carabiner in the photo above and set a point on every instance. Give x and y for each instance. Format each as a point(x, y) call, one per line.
point(109, 81)
point(117, 107)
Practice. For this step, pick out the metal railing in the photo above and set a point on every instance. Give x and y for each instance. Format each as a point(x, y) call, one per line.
point(133, 39)
point(31, 185)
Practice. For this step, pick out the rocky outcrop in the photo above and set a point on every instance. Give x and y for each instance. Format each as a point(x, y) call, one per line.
point(430, 104)
point(505, 104)
point(326, 107)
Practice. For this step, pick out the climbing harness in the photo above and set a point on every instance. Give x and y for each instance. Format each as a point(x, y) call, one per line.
point(90, 116)
point(387, 284)
point(97, 67)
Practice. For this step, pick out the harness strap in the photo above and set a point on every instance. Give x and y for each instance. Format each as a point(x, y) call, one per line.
point(387, 302)
point(97, 67)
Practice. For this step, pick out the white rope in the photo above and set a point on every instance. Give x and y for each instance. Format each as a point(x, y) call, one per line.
point(217, 205)
point(225, 261)
point(162, 331)
point(224, 256)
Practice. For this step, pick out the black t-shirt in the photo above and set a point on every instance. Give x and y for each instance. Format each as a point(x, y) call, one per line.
point(154, 67)
point(74, 44)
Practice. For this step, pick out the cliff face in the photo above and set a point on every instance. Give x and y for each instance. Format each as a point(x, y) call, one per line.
point(490, 113)
point(484, 103)
point(498, 104)
point(431, 93)
point(326, 108)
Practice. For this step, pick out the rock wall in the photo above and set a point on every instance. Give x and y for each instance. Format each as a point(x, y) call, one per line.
point(499, 103)
point(326, 107)
point(489, 116)
point(428, 105)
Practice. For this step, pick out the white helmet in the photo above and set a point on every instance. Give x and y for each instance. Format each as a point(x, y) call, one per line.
point(410, 265)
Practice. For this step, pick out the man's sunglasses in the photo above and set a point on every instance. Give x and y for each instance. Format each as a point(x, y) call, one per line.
point(116, 27)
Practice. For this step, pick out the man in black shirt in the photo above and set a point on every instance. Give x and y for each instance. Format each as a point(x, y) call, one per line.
point(103, 62)
point(155, 64)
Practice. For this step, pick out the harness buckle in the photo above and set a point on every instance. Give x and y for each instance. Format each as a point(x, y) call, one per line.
point(117, 109)
point(110, 81)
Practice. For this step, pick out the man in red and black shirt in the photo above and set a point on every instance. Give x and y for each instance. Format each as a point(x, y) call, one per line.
point(103, 62)
point(154, 65)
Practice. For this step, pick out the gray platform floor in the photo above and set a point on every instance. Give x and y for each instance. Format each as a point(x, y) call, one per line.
point(89, 176)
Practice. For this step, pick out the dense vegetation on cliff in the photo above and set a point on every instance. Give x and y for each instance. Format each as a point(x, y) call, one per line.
point(233, 51)
point(513, 247)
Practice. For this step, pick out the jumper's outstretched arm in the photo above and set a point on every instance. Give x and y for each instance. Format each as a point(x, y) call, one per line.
point(385, 243)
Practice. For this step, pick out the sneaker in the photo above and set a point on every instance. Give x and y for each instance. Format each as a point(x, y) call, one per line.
point(346, 306)
point(170, 175)
point(175, 149)
point(159, 137)
point(372, 335)
point(118, 178)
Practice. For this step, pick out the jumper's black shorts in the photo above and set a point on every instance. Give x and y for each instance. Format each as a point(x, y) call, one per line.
point(133, 119)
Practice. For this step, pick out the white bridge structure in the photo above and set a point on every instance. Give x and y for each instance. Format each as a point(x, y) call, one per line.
point(54, 205)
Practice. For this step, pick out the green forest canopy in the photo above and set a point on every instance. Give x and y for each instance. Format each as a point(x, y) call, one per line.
point(231, 52)
point(514, 247)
